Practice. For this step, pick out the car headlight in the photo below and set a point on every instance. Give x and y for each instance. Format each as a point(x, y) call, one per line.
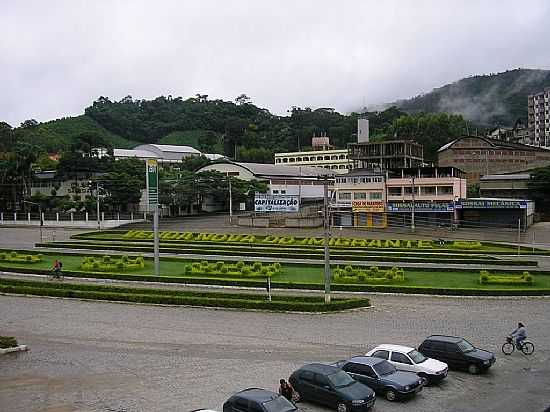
point(407, 387)
point(486, 362)
point(358, 402)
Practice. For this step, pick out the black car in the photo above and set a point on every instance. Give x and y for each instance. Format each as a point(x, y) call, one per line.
point(458, 353)
point(330, 386)
point(383, 377)
point(258, 400)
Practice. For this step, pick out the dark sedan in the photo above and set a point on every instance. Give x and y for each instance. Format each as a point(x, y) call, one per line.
point(330, 386)
point(258, 400)
point(382, 377)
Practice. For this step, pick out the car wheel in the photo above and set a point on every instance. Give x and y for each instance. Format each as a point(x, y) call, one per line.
point(391, 395)
point(473, 369)
point(341, 407)
point(425, 377)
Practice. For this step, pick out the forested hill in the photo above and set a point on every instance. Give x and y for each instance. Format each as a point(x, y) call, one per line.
point(488, 100)
point(209, 125)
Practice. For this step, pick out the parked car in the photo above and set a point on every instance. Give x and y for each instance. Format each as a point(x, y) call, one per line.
point(330, 386)
point(382, 377)
point(408, 359)
point(458, 353)
point(258, 400)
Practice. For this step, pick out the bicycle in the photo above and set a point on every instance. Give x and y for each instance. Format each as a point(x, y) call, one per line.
point(526, 347)
point(55, 275)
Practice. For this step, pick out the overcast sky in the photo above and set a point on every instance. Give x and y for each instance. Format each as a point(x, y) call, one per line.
point(57, 56)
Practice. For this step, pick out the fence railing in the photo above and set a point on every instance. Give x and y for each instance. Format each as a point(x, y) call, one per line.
point(69, 217)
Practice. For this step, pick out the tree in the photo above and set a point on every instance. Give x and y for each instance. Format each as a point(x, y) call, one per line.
point(242, 99)
point(124, 183)
point(29, 124)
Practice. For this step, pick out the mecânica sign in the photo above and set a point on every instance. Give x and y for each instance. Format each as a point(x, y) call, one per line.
point(277, 203)
point(367, 206)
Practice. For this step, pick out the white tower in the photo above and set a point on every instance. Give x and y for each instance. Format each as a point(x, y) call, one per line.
point(362, 130)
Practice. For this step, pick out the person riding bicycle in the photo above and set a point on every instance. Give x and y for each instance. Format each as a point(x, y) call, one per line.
point(520, 333)
point(57, 268)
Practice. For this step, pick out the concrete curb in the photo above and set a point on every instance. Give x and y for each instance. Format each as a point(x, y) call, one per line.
point(20, 348)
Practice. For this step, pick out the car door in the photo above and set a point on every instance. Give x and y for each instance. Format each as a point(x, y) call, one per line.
point(402, 362)
point(382, 354)
point(362, 373)
point(306, 386)
point(325, 392)
point(455, 354)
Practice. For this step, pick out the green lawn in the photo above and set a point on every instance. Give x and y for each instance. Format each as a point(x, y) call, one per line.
point(313, 274)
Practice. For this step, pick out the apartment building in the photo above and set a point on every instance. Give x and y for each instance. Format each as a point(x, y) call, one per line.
point(539, 118)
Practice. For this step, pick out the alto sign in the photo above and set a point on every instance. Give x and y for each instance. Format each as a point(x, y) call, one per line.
point(276, 203)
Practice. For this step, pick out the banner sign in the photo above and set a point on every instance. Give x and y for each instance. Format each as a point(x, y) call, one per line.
point(152, 179)
point(368, 206)
point(420, 206)
point(491, 204)
point(276, 203)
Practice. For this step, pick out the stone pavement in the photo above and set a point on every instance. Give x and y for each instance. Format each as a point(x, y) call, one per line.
point(99, 356)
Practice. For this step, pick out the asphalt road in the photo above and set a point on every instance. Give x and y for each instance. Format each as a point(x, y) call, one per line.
point(98, 356)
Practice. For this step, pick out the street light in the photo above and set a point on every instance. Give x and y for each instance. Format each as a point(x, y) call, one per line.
point(326, 225)
point(97, 202)
point(40, 215)
point(413, 207)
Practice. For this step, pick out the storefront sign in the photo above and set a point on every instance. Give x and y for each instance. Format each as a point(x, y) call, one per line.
point(420, 206)
point(368, 206)
point(491, 204)
point(276, 203)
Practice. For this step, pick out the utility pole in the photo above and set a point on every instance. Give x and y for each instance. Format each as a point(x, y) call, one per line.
point(413, 207)
point(97, 206)
point(519, 236)
point(326, 222)
point(156, 242)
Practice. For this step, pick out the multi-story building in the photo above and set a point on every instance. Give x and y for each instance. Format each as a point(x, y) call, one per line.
point(388, 154)
point(539, 118)
point(375, 197)
point(333, 159)
point(478, 156)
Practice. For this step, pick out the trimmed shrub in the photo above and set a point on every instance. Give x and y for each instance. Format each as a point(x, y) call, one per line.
point(7, 342)
point(240, 264)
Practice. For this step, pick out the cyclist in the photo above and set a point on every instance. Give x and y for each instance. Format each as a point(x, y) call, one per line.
point(520, 333)
point(57, 268)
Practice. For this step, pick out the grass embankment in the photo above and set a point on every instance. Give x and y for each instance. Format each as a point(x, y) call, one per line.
point(286, 253)
point(177, 297)
point(292, 276)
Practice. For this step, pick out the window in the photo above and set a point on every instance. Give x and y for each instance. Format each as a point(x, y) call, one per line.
point(382, 354)
point(408, 190)
point(275, 192)
point(399, 357)
point(445, 190)
point(375, 195)
point(416, 356)
point(307, 376)
point(465, 346)
point(384, 368)
point(283, 191)
point(394, 191)
point(285, 160)
point(359, 196)
point(240, 403)
point(321, 380)
point(344, 196)
point(428, 190)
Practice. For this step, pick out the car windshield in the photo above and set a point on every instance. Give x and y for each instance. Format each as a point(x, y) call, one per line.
point(416, 356)
point(465, 346)
point(384, 368)
point(279, 404)
point(340, 379)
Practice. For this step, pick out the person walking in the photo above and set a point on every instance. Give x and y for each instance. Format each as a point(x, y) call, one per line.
point(57, 266)
point(286, 390)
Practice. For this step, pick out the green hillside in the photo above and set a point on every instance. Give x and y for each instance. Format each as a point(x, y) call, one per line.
point(61, 133)
point(488, 100)
point(204, 140)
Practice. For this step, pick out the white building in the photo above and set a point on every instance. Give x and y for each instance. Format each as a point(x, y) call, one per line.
point(305, 182)
point(335, 160)
point(163, 152)
point(539, 118)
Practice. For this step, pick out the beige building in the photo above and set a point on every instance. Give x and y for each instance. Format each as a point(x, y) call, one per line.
point(335, 160)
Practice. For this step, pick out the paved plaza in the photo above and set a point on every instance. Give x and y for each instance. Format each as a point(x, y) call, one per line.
point(97, 356)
